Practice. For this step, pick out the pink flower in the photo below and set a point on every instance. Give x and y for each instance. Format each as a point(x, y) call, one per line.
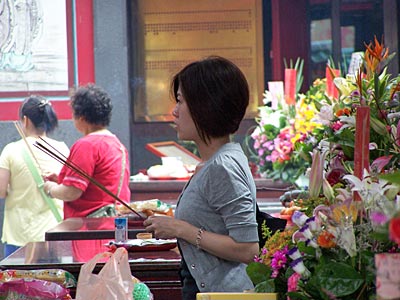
point(279, 261)
point(257, 259)
point(292, 282)
point(378, 218)
point(379, 164)
point(337, 125)
point(269, 145)
point(398, 134)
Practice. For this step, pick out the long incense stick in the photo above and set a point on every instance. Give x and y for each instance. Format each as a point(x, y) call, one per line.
point(23, 136)
point(62, 159)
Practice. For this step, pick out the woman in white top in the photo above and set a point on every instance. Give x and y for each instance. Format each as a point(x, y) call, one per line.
point(26, 215)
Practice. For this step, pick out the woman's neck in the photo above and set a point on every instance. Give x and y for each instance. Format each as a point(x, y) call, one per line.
point(208, 150)
point(34, 133)
point(97, 130)
point(30, 129)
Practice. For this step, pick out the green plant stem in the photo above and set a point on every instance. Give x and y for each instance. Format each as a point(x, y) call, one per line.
point(362, 291)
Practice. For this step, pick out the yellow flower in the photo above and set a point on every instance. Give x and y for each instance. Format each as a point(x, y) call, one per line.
point(342, 212)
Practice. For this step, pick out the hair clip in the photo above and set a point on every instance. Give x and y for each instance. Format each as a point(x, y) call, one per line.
point(43, 103)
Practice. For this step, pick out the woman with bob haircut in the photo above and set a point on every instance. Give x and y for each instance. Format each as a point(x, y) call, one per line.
point(215, 217)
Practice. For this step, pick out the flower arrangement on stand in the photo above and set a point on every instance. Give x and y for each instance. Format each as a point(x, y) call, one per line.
point(346, 218)
point(285, 132)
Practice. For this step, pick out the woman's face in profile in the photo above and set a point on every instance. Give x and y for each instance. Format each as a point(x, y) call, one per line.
point(184, 125)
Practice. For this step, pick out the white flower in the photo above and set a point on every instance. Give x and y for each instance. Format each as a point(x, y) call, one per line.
point(294, 253)
point(299, 267)
point(306, 232)
point(348, 122)
point(267, 97)
point(299, 218)
point(372, 192)
point(346, 238)
point(312, 223)
point(312, 243)
point(325, 115)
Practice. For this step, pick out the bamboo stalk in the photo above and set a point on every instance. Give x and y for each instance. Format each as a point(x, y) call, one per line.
point(62, 159)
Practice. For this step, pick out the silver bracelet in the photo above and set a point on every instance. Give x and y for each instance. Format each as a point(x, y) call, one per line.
point(198, 237)
point(49, 193)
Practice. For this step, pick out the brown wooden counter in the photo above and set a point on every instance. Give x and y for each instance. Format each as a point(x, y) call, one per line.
point(169, 190)
point(158, 269)
point(89, 229)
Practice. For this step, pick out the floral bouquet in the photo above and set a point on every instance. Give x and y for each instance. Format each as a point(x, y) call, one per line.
point(330, 253)
point(282, 141)
point(346, 219)
point(284, 136)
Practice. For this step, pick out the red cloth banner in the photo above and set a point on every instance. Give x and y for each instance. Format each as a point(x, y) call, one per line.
point(361, 145)
point(290, 86)
point(331, 90)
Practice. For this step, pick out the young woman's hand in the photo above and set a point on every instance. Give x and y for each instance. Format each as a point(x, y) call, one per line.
point(163, 227)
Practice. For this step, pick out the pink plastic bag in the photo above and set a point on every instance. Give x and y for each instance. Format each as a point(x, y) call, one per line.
point(32, 289)
point(114, 280)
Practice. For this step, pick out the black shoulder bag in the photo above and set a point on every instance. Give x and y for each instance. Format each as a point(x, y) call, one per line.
point(271, 222)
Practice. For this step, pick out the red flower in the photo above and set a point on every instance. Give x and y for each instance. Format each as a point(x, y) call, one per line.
point(326, 240)
point(394, 230)
point(335, 176)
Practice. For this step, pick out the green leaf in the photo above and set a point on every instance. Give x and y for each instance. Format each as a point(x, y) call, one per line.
point(368, 267)
point(391, 177)
point(339, 279)
point(306, 249)
point(313, 289)
point(297, 296)
point(378, 126)
point(258, 272)
point(376, 86)
point(267, 286)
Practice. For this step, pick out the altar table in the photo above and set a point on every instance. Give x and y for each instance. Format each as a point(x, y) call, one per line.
point(158, 269)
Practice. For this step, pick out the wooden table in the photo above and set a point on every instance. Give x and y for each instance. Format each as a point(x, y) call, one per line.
point(89, 229)
point(158, 269)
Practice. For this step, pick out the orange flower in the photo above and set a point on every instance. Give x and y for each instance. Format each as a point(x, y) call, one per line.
point(344, 111)
point(326, 240)
point(395, 90)
point(374, 55)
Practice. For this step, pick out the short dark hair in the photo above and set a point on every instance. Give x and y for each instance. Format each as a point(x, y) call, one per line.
point(217, 95)
point(93, 104)
point(39, 110)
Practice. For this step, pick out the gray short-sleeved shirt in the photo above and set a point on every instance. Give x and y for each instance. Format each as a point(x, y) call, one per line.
point(221, 198)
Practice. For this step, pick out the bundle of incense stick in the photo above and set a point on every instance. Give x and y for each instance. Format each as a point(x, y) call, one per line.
point(62, 159)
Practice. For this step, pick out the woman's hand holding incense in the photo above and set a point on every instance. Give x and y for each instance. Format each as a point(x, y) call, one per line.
point(51, 177)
